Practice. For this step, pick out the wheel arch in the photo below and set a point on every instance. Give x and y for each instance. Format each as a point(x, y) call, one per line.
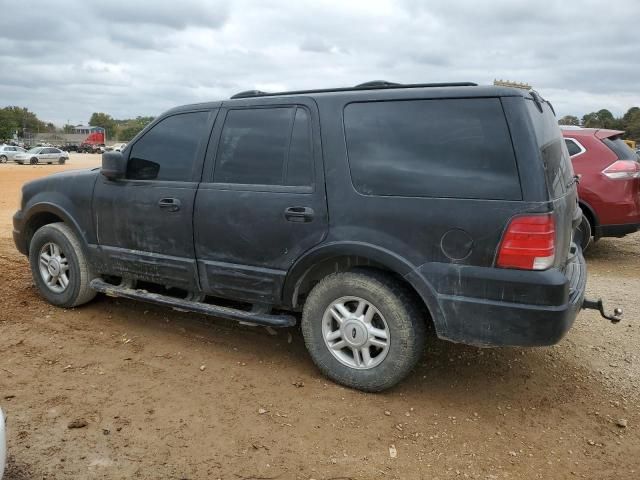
point(590, 213)
point(346, 256)
point(44, 214)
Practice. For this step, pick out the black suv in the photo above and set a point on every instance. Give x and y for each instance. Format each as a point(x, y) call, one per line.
point(373, 211)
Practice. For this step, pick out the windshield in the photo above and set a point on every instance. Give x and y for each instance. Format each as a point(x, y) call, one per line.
point(34, 150)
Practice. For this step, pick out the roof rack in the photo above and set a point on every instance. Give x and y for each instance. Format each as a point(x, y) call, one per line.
point(373, 85)
point(250, 93)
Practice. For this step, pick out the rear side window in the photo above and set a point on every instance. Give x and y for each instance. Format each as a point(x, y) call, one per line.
point(555, 156)
point(265, 146)
point(457, 148)
point(572, 147)
point(169, 150)
point(621, 149)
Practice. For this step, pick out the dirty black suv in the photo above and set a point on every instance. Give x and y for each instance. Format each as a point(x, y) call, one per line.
point(370, 213)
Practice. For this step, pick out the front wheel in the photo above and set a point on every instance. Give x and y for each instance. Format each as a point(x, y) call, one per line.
point(3, 159)
point(61, 160)
point(34, 161)
point(363, 330)
point(59, 266)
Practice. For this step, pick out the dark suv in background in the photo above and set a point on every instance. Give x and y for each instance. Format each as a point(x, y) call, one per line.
point(373, 211)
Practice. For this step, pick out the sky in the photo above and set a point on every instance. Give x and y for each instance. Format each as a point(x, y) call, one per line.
point(66, 59)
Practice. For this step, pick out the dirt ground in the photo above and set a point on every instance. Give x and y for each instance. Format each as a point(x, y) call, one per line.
point(169, 395)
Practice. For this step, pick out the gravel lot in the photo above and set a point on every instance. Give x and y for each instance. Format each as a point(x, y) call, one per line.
point(161, 394)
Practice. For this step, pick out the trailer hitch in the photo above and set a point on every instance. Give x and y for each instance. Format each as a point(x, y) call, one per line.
point(598, 305)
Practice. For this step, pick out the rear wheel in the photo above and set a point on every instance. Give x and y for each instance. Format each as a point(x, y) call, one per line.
point(363, 330)
point(59, 266)
point(3, 159)
point(33, 161)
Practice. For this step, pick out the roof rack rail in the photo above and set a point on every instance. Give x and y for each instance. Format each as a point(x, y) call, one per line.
point(377, 84)
point(249, 93)
point(373, 85)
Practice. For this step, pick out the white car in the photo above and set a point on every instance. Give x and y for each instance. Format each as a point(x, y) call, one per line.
point(118, 147)
point(3, 445)
point(9, 152)
point(42, 155)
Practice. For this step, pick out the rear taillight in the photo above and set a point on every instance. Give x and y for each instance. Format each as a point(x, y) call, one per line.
point(623, 169)
point(529, 243)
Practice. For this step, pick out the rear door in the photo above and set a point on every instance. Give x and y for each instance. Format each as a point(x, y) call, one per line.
point(262, 202)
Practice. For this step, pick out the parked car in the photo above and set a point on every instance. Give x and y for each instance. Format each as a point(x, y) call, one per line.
point(42, 155)
point(371, 211)
point(9, 152)
point(117, 147)
point(609, 188)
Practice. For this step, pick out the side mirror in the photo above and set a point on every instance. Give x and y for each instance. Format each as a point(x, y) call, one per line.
point(114, 165)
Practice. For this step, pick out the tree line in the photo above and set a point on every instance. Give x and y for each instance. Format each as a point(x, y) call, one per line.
point(629, 122)
point(19, 119)
point(119, 130)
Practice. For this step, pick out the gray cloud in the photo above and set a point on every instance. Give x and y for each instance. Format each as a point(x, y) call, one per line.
point(139, 58)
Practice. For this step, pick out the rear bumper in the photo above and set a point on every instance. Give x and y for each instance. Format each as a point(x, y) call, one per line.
point(500, 307)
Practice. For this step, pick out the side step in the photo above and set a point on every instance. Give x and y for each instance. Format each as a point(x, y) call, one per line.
point(264, 319)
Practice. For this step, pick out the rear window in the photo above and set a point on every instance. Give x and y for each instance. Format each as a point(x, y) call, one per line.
point(621, 149)
point(557, 166)
point(459, 148)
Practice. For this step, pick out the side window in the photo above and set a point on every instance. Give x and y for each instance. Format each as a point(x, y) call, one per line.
point(455, 148)
point(168, 151)
point(572, 146)
point(265, 146)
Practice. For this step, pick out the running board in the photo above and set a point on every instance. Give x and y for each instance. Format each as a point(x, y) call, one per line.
point(252, 317)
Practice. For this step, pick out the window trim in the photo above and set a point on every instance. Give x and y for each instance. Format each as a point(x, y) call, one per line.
point(578, 144)
point(260, 187)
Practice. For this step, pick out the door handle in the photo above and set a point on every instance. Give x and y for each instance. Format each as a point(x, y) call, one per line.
point(298, 214)
point(170, 204)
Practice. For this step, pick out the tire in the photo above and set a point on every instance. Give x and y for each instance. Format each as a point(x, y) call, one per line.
point(396, 312)
point(61, 160)
point(34, 161)
point(583, 234)
point(78, 273)
point(3, 159)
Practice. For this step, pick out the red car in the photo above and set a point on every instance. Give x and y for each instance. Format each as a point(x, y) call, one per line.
point(609, 188)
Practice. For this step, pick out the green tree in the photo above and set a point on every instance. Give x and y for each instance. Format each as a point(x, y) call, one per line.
point(633, 126)
point(569, 120)
point(8, 124)
point(129, 128)
point(67, 128)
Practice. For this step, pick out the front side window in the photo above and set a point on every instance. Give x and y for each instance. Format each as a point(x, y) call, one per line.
point(456, 148)
point(265, 146)
point(169, 150)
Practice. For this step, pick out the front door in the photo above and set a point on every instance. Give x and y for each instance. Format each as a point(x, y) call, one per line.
point(262, 201)
point(144, 222)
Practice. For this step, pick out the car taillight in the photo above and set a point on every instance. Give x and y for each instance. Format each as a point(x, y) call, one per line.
point(623, 169)
point(529, 243)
